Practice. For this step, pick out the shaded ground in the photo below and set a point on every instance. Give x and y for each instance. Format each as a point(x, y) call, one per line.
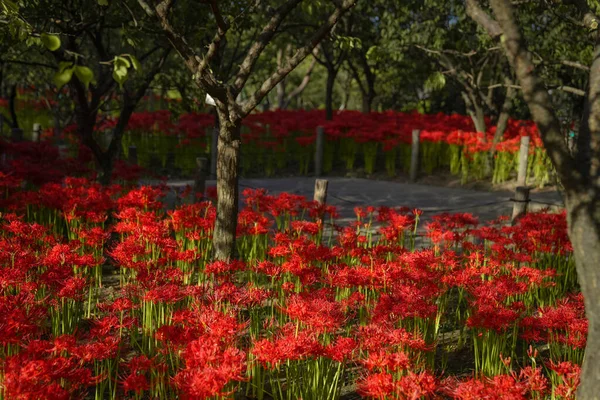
point(347, 193)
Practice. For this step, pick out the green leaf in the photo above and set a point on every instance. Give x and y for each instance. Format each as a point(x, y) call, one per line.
point(135, 63)
point(120, 74)
point(121, 61)
point(64, 65)
point(103, 2)
point(52, 42)
point(84, 74)
point(61, 78)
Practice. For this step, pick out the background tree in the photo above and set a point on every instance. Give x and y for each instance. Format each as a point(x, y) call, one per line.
point(97, 50)
point(227, 18)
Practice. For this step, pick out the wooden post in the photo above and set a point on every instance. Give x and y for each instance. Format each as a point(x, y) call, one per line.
point(200, 178)
point(213, 152)
point(63, 150)
point(319, 145)
point(520, 203)
point(414, 155)
point(523, 156)
point(133, 155)
point(36, 133)
point(320, 195)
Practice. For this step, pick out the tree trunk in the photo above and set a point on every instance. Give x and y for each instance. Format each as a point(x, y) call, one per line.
point(502, 122)
point(228, 150)
point(12, 107)
point(475, 111)
point(281, 86)
point(331, 74)
point(106, 164)
point(479, 120)
point(584, 231)
point(281, 95)
point(366, 104)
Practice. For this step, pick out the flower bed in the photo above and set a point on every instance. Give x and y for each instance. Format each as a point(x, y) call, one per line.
point(105, 295)
point(278, 141)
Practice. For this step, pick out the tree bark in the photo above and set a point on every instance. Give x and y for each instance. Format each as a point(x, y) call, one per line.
point(331, 74)
point(582, 190)
point(281, 86)
point(584, 231)
point(367, 102)
point(502, 122)
point(12, 100)
point(228, 153)
point(475, 111)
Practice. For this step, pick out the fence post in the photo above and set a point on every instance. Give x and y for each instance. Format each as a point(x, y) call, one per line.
point(319, 144)
point(523, 158)
point(133, 155)
point(200, 178)
point(63, 150)
point(36, 132)
point(213, 152)
point(520, 203)
point(414, 155)
point(320, 195)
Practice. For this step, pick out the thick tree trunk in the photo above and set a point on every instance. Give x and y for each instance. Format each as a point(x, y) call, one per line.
point(331, 74)
point(583, 213)
point(228, 150)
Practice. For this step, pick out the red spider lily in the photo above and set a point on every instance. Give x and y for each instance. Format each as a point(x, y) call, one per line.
point(315, 310)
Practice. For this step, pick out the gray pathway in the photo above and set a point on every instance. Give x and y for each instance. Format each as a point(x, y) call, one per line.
point(346, 193)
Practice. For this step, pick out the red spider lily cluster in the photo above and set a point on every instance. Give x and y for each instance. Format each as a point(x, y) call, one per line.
point(105, 294)
point(378, 141)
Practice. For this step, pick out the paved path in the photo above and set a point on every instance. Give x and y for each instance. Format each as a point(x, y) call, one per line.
point(346, 193)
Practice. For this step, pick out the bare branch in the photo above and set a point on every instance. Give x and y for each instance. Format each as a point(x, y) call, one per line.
point(297, 58)
point(198, 66)
point(300, 88)
point(30, 63)
point(261, 42)
point(570, 89)
point(575, 64)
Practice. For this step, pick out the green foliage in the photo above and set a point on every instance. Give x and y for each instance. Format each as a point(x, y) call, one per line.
point(64, 74)
point(52, 42)
point(84, 74)
point(436, 81)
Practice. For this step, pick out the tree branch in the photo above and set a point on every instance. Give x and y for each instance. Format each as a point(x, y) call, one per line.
point(193, 62)
point(300, 88)
point(575, 64)
point(261, 42)
point(536, 95)
point(297, 58)
point(483, 19)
